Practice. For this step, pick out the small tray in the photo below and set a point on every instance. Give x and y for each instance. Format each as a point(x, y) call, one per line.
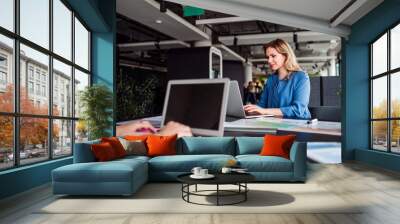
point(208, 176)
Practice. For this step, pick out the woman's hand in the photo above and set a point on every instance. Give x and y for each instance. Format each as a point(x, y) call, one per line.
point(134, 127)
point(172, 128)
point(252, 109)
point(145, 127)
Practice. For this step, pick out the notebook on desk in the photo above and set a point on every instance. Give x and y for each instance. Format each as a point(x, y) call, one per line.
point(235, 109)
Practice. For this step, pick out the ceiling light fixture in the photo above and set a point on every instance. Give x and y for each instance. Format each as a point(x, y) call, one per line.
point(295, 40)
point(158, 21)
point(163, 7)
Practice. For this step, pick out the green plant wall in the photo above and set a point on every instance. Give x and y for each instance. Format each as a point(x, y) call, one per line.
point(140, 93)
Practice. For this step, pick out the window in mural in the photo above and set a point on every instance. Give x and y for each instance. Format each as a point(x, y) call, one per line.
point(43, 113)
point(385, 96)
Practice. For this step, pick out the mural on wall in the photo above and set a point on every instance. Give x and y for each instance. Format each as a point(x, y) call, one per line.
point(140, 93)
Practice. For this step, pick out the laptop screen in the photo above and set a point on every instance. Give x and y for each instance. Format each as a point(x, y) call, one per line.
point(197, 105)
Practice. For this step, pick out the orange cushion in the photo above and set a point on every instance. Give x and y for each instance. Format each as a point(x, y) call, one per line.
point(136, 137)
point(277, 145)
point(116, 145)
point(103, 152)
point(161, 145)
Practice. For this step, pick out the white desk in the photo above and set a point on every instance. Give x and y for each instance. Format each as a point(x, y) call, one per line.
point(321, 131)
point(268, 124)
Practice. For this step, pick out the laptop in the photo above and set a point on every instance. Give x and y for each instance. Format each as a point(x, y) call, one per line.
point(197, 103)
point(235, 109)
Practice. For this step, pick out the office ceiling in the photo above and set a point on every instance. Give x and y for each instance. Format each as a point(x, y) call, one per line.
point(148, 12)
point(317, 9)
point(324, 16)
point(239, 28)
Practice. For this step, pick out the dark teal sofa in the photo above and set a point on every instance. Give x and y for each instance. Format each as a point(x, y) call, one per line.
point(125, 176)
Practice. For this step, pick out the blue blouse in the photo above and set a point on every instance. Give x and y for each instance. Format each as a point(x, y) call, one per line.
point(290, 95)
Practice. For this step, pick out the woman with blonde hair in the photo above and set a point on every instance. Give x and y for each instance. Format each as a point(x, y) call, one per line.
point(287, 90)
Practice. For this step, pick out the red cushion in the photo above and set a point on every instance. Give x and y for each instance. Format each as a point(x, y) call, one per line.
point(116, 145)
point(161, 145)
point(103, 152)
point(136, 137)
point(277, 145)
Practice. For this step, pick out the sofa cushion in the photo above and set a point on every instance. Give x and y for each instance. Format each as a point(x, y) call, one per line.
point(112, 171)
point(103, 152)
point(134, 147)
point(185, 163)
point(277, 145)
point(116, 145)
point(257, 163)
point(132, 158)
point(249, 145)
point(83, 152)
point(208, 145)
point(161, 145)
point(136, 137)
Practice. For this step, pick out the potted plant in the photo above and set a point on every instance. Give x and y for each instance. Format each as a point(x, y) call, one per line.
point(96, 104)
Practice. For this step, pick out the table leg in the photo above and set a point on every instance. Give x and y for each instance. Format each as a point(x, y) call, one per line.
point(245, 191)
point(217, 194)
point(188, 189)
point(182, 190)
point(196, 188)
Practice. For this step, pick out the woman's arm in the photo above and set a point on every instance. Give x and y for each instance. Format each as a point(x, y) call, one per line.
point(263, 102)
point(256, 110)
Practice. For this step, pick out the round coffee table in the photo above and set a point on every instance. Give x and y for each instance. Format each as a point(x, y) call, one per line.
point(238, 179)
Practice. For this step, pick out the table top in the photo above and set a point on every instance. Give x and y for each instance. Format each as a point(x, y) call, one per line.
point(220, 178)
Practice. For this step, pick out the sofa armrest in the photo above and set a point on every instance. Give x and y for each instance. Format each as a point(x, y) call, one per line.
point(83, 152)
point(298, 155)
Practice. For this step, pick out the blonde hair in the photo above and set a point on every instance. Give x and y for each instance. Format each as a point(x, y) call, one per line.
point(284, 48)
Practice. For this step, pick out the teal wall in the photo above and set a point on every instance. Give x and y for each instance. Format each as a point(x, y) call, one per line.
point(99, 15)
point(356, 101)
point(92, 14)
point(24, 178)
point(104, 53)
point(380, 159)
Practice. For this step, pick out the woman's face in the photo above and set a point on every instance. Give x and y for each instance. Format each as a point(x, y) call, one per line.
point(275, 59)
